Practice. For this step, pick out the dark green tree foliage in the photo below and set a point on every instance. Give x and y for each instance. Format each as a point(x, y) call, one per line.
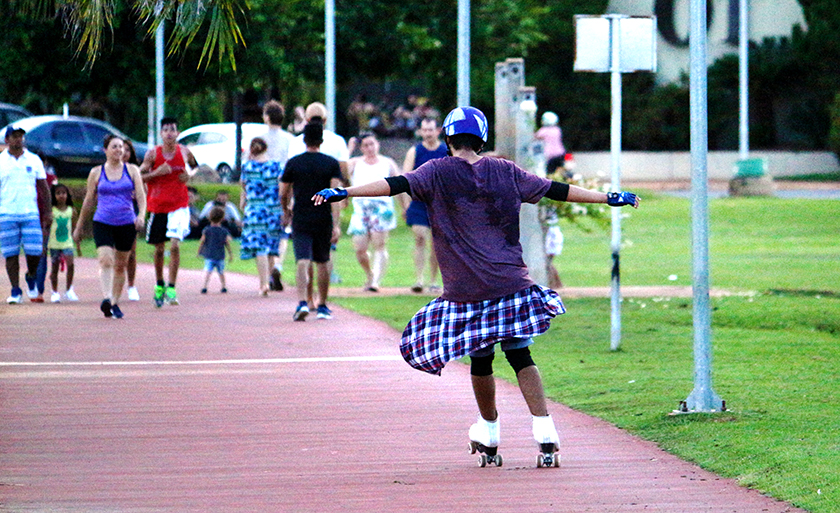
point(413, 45)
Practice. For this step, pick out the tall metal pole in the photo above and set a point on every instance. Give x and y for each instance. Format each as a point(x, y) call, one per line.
point(702, 398)
point(463, 52)
point(329, 62)
point(743, 75)
point(615, 185)
point(159, 93)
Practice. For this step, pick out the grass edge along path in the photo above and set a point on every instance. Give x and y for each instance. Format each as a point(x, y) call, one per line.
point(774, 363)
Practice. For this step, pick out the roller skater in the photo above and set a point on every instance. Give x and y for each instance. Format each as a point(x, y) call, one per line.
point(488, 297)
point(549, 442)
point(484, 439)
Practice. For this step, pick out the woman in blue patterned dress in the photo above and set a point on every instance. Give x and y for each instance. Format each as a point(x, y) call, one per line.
point(263, 216)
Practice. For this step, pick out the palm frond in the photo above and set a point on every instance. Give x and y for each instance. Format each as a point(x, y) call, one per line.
point(87, 20)
point(223, 35)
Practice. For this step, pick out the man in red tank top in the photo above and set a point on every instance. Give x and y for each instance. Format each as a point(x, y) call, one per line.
point(165, 173)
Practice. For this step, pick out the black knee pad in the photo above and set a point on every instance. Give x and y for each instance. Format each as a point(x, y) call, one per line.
point(519, 358)
point(481, 365)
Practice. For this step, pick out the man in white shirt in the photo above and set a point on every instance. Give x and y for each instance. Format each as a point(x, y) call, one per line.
point(25, 212)
point(334, 145)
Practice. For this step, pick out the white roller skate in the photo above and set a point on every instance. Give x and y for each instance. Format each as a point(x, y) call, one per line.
point(546, 436)
point(484, 439)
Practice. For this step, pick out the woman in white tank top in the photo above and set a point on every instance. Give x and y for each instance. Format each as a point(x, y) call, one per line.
point(372, 218)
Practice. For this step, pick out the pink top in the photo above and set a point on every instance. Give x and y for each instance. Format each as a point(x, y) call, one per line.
point(552, 138)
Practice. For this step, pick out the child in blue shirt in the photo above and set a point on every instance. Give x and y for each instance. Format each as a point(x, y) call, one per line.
point(215, 239)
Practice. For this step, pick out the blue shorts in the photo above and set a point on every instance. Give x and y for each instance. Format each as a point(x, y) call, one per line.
point(416, 214)
point(55, 254)
point(219, 265)
point(507, 345)
point(21, 230)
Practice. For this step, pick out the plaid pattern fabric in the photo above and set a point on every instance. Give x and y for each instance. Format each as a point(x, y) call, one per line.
point(445, 330)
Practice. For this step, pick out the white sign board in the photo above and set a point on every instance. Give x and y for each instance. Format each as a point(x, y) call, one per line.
point(634, 35)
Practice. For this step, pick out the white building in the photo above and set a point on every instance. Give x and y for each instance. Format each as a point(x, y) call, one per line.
point(767, 18)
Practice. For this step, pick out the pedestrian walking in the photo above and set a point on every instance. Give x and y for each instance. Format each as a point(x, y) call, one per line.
point(314, 230)
point(552, 137)
point(416, 217)
point(130, 157)
point(111, 191)
point(60, 243)
point(277, 143)
point(372, 218)
point(263, 214)
point(488, 297)
point(25, 213)
point(164, 171)
point(215, 241)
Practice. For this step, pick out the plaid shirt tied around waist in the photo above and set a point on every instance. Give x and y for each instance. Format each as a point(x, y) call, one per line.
point(446, 330)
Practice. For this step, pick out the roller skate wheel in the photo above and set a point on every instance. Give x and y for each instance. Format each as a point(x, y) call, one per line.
point(482, 461)
point(498, 460)
point(473, 447)
point(539, 461)
point(556, 460)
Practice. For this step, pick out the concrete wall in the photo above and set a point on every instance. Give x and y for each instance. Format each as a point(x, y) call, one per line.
point(677, 165)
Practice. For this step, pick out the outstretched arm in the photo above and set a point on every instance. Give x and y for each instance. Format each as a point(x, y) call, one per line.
point(377, 188)
point(560, 191)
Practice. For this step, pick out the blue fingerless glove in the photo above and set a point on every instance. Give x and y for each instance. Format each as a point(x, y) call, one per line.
point(619, 199)
point(333, 195)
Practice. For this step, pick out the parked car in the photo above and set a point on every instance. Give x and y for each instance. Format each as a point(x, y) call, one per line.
point(10, 113)
point(214, 145)
point(70, 146)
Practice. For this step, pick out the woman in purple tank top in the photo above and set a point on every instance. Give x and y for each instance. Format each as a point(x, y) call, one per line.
point(113, 187)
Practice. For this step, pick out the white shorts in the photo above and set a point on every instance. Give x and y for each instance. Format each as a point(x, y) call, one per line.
point(165, 226)
point(553, 241)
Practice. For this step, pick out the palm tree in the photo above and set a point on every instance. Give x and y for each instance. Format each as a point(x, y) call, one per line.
point(87, 20)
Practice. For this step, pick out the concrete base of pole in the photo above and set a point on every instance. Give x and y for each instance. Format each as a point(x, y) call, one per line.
point(701, 400)
point(752, 186)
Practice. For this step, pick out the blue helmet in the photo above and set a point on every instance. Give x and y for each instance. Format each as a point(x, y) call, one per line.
point(466, 120)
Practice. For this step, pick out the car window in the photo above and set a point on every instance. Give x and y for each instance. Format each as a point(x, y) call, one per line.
point(211, 138)
point(190, 140)
point(67, 133)
point(96, 134)
point(10, 116)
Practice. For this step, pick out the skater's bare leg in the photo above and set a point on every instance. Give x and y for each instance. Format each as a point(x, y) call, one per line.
point(484, 388)
point(531, 386)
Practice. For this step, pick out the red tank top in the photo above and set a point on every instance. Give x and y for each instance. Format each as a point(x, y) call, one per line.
point(167, 193)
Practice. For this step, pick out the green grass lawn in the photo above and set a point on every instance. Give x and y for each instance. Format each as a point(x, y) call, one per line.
point(775, 350)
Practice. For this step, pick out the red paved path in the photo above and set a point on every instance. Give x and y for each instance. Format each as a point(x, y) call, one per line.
point(225, 404)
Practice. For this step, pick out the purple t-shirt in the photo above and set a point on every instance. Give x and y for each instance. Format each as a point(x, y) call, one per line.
point(474, 213)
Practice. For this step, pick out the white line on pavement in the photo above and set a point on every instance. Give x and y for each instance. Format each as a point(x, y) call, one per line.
point(373, 358)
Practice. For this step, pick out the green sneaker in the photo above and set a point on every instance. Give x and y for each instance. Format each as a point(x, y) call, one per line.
point(171, 296)
point(159, 291)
